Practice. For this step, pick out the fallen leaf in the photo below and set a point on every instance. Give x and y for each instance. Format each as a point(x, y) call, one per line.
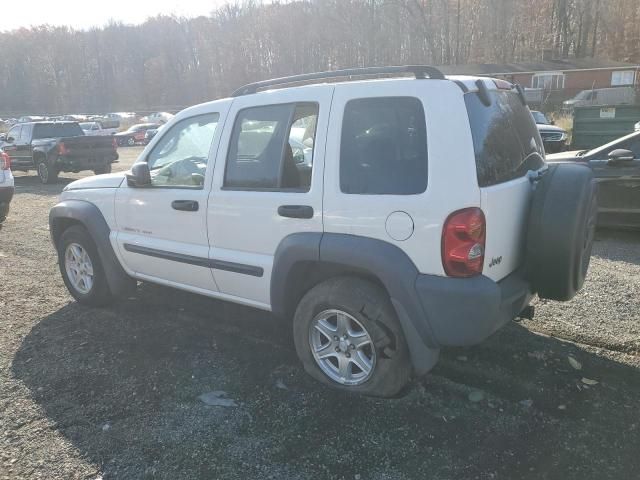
point(574, 363)
point(588, 381)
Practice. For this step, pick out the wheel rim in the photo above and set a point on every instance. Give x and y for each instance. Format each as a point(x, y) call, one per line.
point(79, 268)
point(342, 347)
point(43, 171)
point(131, 141)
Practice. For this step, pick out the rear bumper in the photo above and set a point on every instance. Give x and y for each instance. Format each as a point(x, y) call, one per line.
point(465, 311)
point(85, 163)
point(6, 194)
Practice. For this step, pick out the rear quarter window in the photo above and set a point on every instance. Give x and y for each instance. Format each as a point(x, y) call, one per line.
point(505, 138)
point(383, 149)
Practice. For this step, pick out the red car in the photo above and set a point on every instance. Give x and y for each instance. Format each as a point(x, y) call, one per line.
point(135, 134)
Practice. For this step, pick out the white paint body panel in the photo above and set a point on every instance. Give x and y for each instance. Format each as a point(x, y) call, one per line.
point(145, 218)
point(108, 180)
point(452, 183)
point(506, 210)
point(244, 226)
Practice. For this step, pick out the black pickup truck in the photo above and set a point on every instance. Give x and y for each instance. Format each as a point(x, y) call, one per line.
point(54, 147)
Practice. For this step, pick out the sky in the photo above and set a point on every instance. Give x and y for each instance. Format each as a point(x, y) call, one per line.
point(82, 14)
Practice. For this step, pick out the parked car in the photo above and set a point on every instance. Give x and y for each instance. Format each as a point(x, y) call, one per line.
point(6, 185)
point(97, 129)
point(120, 116)
point(374, 271)
point(601, 96)
point(150, 134)
point(554, 138)
point(135, 134)
point(27, 119)
point(616, 166)
point(54, 147)
point(158, 117)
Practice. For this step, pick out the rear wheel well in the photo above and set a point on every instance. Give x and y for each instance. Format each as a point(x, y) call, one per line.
point(59, 225)
point(307, 274)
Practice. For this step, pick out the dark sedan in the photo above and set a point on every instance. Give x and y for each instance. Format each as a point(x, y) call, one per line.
point(616, 166)
point(554, 138)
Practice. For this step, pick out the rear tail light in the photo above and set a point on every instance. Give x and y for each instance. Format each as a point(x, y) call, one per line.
point(5, 161)
point(62, 149)
point(463, 241)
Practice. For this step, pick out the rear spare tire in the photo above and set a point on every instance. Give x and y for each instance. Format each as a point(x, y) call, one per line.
point(561, 230)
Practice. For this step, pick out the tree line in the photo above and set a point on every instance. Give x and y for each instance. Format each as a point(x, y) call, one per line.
point(167, 63)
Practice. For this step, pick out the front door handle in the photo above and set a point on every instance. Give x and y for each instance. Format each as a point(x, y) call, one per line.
point(295, 211)
point(185, 205)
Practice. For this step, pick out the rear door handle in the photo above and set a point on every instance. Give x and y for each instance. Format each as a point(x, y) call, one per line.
point(185, 205)
point(295, 211)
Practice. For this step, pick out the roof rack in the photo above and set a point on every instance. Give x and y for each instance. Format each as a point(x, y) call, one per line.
point(419, 71)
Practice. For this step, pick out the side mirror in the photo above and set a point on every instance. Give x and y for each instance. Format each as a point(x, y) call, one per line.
point(140, 176)
point(620, 155)
point(10, 140)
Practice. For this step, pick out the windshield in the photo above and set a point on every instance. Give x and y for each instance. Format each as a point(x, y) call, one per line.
point(583, 95)
point(607, 146)
point(539, 118)
point(57, 130)
point(87, 125)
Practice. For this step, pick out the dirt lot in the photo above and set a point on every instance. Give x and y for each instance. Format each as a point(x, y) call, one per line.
point(87, 393)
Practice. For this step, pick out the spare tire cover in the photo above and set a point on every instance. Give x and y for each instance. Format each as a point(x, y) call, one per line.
point(561, 229)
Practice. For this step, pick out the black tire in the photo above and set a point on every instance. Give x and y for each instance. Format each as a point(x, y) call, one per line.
point(99, 295)
point(369, 304)
point(102, 170)
point(561, 230)
point(47, 173)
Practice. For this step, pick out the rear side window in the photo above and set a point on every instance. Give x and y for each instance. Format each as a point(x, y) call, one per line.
point(505, 138)
point(271, 148)
point(383, 149)
point(57, 130)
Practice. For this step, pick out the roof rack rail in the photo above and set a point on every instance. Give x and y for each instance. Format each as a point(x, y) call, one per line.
point(419, 71)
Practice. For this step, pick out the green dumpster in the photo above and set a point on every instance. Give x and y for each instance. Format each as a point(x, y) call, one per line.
point(595, 126)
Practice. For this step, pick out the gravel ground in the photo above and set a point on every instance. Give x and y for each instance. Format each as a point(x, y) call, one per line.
point(113, 393)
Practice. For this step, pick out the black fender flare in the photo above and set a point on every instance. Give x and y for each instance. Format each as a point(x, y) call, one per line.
point(89, 216)
point(372, 257)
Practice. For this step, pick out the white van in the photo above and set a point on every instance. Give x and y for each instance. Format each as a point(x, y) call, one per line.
point(601, 96)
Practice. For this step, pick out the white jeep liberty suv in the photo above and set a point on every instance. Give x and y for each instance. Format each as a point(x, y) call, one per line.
point(384, 218)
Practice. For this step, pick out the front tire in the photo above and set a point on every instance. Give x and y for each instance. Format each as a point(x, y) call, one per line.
point(347, 335)
point(47, 173)
point(103, 170)
point(81, 268)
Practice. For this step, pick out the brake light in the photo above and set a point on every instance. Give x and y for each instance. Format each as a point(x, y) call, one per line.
point(5, 161)
point(62, 149)
point(463, 241)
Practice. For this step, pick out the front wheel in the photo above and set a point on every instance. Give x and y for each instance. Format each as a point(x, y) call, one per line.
point(347, 336)
point(102, 170)
point(81, 268)
point(46, 173)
